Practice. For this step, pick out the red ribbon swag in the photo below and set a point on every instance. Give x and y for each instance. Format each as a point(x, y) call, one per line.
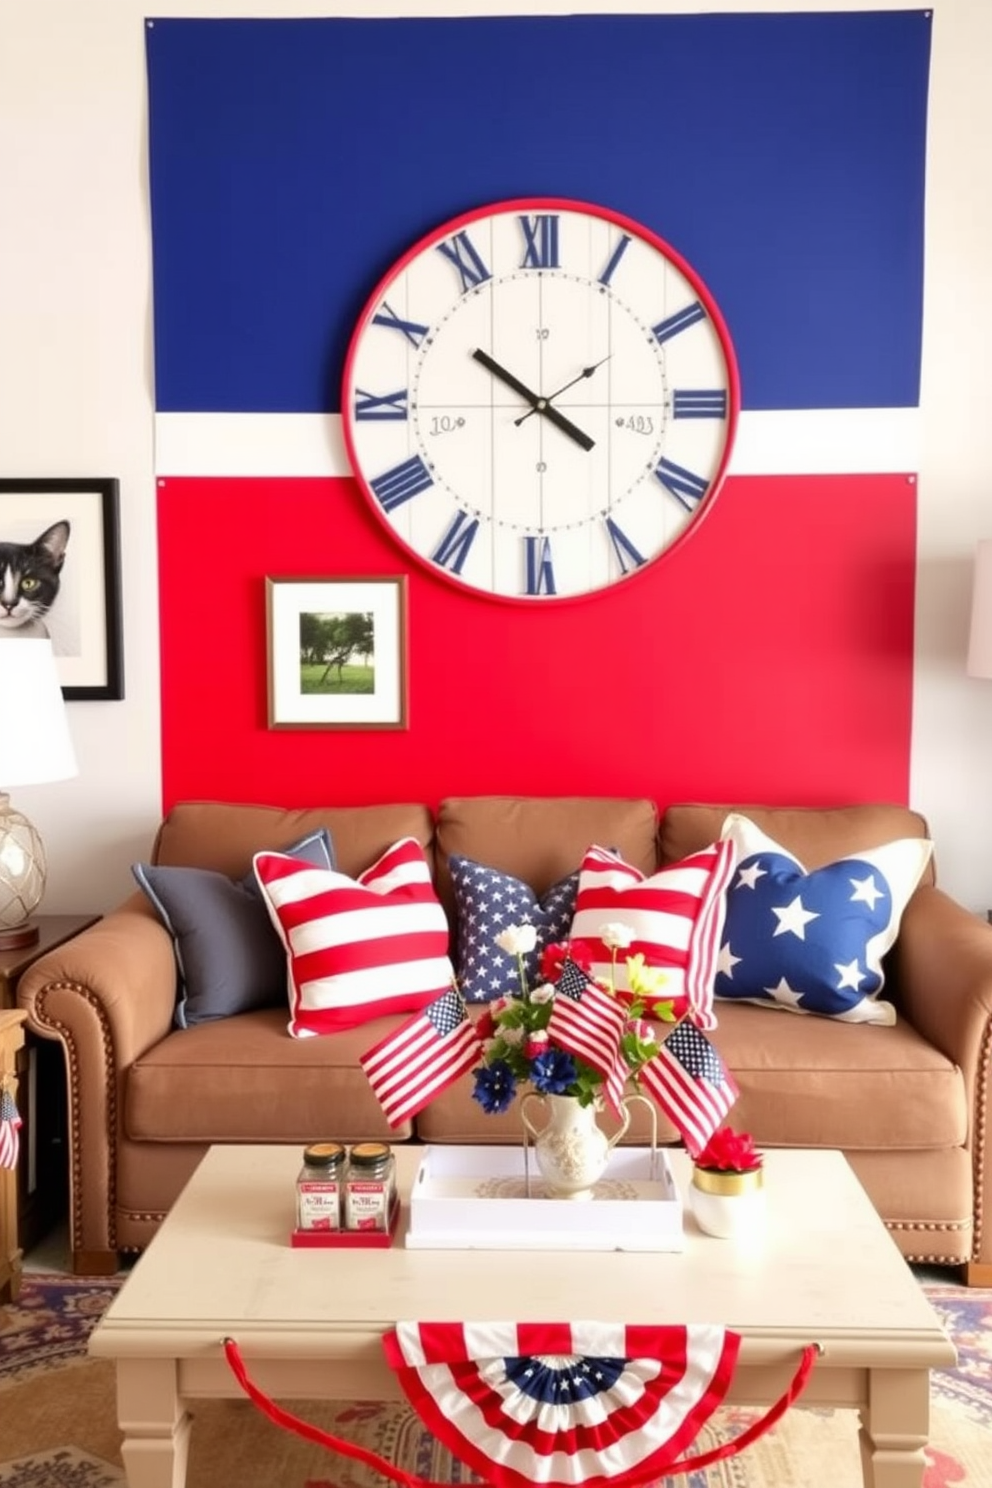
point(560, 1404)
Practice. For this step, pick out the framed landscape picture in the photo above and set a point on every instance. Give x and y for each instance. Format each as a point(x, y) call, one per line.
point(337, 652)
point(60, 578)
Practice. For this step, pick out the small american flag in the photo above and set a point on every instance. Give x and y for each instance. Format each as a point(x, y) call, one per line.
point(413, 1064)
point(589, 1023)
point(10, 1125)
point(690, 1082)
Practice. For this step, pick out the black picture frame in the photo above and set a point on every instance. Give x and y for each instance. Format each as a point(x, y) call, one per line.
point(85, 620)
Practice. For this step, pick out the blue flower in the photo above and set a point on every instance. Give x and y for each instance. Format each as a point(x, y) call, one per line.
point(495, 1087)
point(553, 1072)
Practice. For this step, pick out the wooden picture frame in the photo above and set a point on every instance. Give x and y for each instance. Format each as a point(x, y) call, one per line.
point(337, 652)
point(83, 618)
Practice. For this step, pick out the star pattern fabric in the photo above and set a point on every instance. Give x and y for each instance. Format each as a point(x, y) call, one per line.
point(487, 902)
point(813, 941)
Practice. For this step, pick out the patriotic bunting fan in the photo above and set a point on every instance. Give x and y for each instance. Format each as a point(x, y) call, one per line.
point(557, 1405)
point(562, 1404)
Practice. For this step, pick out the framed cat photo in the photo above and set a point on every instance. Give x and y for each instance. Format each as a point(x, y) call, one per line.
point(337, 655)
point(60, 576)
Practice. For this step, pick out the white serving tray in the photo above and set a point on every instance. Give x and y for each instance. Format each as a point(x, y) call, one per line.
point(476, 1198)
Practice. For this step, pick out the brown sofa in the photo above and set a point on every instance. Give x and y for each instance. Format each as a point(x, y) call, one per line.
point(907, 1104)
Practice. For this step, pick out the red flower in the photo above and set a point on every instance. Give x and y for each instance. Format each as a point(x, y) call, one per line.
point(729, 1151)
point(554, 956)
point(486, 1025)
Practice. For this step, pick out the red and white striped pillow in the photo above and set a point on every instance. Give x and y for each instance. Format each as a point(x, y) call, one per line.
point(357, 949)
point(676, 915)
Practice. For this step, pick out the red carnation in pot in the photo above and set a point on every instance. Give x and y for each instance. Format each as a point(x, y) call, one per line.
point(728, 1151)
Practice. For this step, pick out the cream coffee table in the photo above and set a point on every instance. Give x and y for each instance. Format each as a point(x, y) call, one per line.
point(309, 1323)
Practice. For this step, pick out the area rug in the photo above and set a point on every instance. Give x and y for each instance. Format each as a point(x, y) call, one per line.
point(58, 1427)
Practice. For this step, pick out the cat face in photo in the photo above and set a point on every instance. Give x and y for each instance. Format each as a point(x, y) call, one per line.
point(30, 581)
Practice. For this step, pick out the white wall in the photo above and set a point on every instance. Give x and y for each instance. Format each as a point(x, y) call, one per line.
point(76, 388)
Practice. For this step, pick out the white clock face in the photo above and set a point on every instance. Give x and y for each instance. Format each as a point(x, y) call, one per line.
point(539, 399)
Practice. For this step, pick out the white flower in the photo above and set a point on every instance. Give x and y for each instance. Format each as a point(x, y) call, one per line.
point(544, 993)
point(518, 940)
point(512, 1035)
point(616, 936)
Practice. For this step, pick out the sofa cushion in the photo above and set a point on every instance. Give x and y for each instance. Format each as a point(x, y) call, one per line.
point(540, 839)
point(813, 942)
point(676, 916)
point(228, 956)
point(857, 1087)
point(244, 1081)
point(357, 949)
point(225, 836)
point(487, 902)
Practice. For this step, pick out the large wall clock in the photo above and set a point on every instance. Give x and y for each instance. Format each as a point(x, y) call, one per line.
point(540, 399)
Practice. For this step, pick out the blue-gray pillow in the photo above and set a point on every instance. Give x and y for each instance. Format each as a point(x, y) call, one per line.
point(229, 957)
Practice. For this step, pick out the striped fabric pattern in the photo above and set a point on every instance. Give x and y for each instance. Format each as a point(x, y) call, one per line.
point(589, 1022)
point(412, 1065)
point(677, 916)
point(689, 1081)
point(10, 1125)
point(357, 949)
point(564, 1404)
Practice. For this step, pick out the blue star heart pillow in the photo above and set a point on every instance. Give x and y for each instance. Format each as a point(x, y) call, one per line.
point(487, 902)
point(813, 942)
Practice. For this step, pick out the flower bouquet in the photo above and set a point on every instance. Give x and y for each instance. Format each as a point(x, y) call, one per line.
point(527, 1041)
point(574, 1046)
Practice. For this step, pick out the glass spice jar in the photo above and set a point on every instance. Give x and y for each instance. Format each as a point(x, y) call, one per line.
point(320, 1187)
point(370, 1183)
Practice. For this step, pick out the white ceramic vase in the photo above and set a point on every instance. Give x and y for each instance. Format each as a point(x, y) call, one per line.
point(728, 1205)
point(571, 1149)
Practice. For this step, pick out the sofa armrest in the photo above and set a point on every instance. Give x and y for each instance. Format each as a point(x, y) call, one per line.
point(107, 995)
point(943, 968)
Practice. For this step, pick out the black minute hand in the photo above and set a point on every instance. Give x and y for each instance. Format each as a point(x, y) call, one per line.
point(538, 404)
point(586, 372)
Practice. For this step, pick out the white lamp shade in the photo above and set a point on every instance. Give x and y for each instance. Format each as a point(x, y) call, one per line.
point(35, 743)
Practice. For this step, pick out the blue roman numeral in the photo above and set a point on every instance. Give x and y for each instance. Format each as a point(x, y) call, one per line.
point(615, 258)
point(541, 240)
point(462, 254)
point(454, 546)
point(401, 483)
point(540, 570)
point(389, 406)
point(627, 554)
point(680, 321)
point(699, 403)
point(687, 488)
point(412, 330)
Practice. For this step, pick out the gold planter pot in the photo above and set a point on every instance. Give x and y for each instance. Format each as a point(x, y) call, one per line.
point(726, 1204)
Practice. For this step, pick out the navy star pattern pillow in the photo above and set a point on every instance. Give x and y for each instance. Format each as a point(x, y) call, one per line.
point(488, 902)
point(813, 942)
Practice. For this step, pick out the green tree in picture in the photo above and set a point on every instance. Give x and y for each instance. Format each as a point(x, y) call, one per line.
point(337, 652)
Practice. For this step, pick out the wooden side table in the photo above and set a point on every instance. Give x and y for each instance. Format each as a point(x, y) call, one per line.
point(42, 1170)
point(11, 1041)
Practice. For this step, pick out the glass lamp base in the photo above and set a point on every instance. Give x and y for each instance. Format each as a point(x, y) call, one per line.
point(18, 936)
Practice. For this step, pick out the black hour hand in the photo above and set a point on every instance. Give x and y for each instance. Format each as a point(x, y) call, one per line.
point(538, 404)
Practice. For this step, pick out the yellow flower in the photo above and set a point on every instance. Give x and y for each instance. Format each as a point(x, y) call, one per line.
point(645, 981)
